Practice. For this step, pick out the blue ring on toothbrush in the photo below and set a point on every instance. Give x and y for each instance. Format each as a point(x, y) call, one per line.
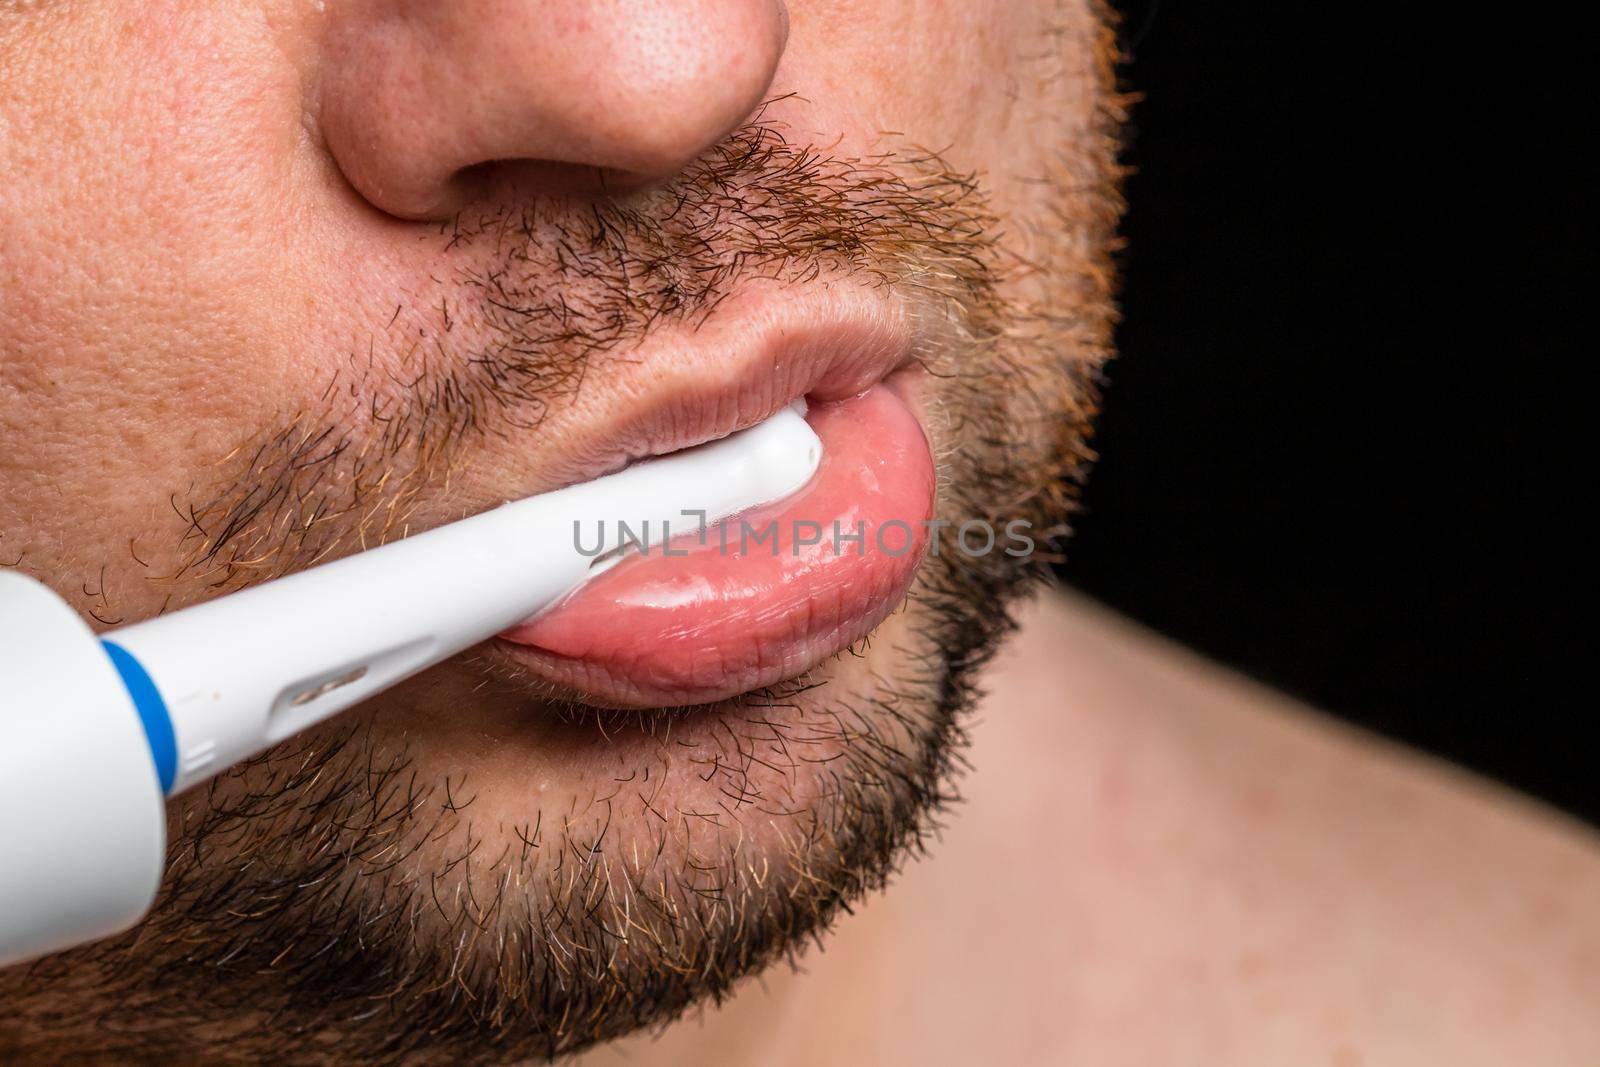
point(152, 712)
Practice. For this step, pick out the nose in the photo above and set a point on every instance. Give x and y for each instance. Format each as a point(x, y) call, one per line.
point(424, 104)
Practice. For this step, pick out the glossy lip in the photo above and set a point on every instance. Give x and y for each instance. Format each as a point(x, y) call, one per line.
point(767, 623)
point(691, 386)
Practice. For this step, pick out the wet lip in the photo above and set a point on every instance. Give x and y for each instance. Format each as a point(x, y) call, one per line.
point(663, 631)
point(766, 596)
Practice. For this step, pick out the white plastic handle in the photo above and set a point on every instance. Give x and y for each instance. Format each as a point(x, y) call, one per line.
point(242, 672)
point(93, 731)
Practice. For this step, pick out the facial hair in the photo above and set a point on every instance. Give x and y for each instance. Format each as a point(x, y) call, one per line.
point(295, 921)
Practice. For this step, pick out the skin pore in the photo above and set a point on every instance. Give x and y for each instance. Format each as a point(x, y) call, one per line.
point(283, 280)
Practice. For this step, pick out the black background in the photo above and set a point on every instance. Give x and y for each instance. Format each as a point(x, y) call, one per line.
point(1342, 449)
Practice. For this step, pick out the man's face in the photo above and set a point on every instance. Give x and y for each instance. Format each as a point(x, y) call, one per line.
point(279, 281)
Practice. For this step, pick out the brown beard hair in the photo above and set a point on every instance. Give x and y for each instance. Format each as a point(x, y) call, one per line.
point(289, 926)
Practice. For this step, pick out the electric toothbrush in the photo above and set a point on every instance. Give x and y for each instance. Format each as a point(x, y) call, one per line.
point(95, 731)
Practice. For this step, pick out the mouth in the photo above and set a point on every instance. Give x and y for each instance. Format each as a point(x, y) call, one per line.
point(768, 595)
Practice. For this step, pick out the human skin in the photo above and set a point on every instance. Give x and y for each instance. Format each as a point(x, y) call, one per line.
point(285, 280)
point(216, 216)
point(1183, 867)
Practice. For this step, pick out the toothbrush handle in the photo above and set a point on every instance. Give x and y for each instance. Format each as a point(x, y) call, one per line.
point(93, 732)
point(82, 822)
point(241, 673)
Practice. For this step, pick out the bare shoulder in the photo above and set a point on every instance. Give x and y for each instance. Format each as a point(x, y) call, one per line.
point(1303, 887)
point(1160, 862)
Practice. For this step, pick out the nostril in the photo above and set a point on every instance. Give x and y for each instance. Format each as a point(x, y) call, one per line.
point(518, 180)
point(427, 107)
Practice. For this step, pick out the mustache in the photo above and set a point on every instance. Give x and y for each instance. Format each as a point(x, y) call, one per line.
point(539, 292)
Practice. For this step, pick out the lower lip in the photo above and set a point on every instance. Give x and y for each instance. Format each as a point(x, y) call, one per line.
point(691, 629)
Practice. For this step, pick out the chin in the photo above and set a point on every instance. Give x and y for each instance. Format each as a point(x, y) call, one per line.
point(507, 876)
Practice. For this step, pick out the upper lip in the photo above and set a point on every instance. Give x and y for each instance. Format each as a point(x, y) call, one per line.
point(687, 386)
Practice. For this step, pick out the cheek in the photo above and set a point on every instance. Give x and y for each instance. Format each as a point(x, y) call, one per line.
point(142, 271)
point(945, 73)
